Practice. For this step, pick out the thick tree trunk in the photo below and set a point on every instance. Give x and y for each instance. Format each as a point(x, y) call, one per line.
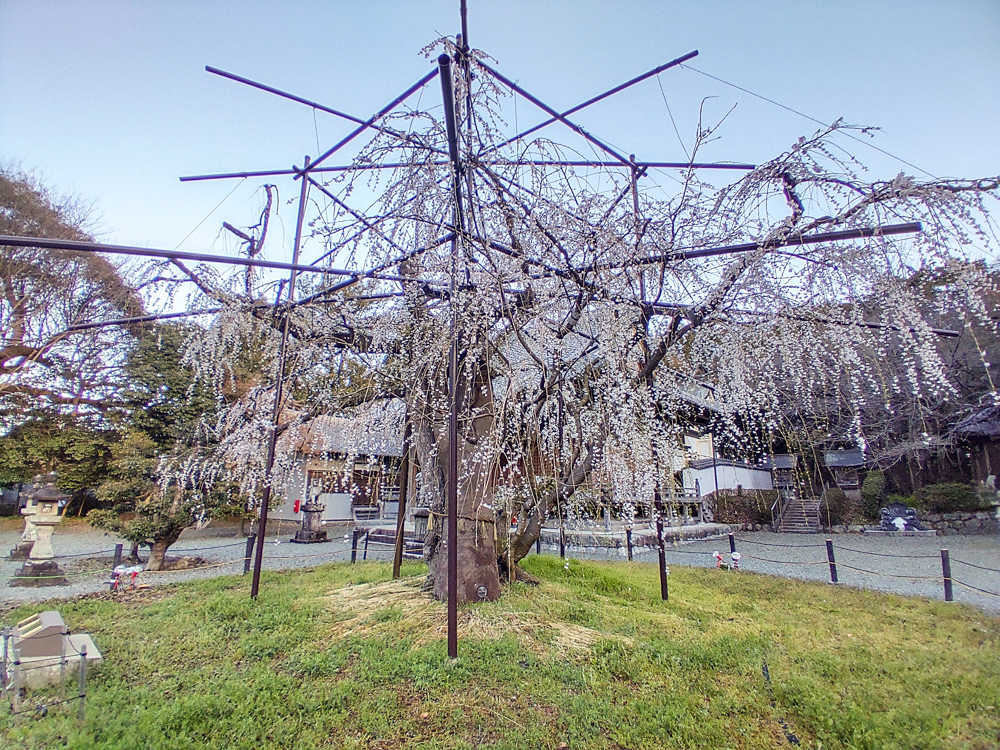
point(478, 578)
point(158, 553)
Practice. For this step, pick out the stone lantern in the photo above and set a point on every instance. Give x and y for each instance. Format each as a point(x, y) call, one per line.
point(312, 531)
point(23, 548)
point(42, 512)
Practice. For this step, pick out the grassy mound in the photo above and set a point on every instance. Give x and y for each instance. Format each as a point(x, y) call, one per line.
point(341, 656)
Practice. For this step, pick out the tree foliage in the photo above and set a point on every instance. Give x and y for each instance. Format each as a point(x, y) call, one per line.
point(45, 293)
point(589, 305)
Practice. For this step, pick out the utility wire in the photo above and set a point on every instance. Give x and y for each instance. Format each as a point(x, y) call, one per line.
point(811, 119)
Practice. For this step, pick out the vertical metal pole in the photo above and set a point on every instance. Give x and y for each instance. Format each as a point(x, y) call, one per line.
point(833, 563)
point(538, 543)
point(5, 660)
point(118, 556)
point(248, 553)
point(664, 592)
point(732, 542)
point(367, 537)
point(404, 477)
point(562, 542)
point(278, 393)
point(448, 97)
point(628, 543)
point(16, 680)
point(83, 684)
point(354, 546)
point(946, 573)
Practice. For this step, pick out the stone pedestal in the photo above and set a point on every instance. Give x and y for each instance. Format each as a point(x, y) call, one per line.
point(312, 531)
point(38, 574)
point(42, 548)
point(22, 551)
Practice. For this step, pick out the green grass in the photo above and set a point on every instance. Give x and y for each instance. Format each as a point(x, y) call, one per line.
point(341, 656)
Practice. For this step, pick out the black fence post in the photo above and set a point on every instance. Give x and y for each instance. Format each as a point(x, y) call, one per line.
point(946, 573)
point(538, 543)
point(118, 556)
point(365, 556)
point(628, 543)
point(562, 542)
point(833, 563)
point(732, 543)
point(248, 554)
point(354, 546)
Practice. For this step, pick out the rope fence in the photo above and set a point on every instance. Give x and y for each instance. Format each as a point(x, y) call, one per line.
point(362, 540)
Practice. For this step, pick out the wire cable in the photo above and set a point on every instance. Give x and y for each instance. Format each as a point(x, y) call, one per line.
point(811, 119)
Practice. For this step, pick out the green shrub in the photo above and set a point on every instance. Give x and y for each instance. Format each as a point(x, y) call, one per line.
point(730, 506)
point(872, 494)
point(837, 508)
point(949, 497)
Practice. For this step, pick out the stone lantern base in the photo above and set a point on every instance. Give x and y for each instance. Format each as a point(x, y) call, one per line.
point(37, 574)
point(312, 531)
point(22, 551)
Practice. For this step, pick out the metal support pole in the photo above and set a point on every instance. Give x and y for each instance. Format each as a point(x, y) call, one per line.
point(367, 537)
point(562, 541)
point(278, 393)
point(732, 542)
point(833, 563)
point(248, 554)
point(448, 99)
point(946, 574)
point(664, 592)
point(354, 546)
point(83, 684)
point(404, 488)
point(538, 543)
point(118, 556)
point(16, 681)
point(628, 543)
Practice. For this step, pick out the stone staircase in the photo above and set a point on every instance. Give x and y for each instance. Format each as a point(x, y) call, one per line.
point(800, 517)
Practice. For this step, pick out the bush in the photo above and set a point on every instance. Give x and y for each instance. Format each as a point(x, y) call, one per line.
point(730, 506)
point(872, 494)
point(837, 508)
point(950, 497)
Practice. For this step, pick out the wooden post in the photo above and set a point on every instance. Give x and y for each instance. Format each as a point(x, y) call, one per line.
point(247, 555)
point(118, 556)
point(833, 563)
point(354, 546)
point(946, 573)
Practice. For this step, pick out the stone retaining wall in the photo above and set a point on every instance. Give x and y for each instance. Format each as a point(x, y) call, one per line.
point(981, 523)
point(973, 524)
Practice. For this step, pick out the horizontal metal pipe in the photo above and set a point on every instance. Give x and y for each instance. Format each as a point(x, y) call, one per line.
point(94, 247)
point(527, 162)
point(143, 319)
point(599, 97)
point(368, 123)
point(551, 112)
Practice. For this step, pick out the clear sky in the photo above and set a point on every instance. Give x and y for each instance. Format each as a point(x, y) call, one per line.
point(110, 100)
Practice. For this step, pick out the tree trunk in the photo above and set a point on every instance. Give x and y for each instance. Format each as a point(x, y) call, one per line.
point(158, 553)
point(478, 578)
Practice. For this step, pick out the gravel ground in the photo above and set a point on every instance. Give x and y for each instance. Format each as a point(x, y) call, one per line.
point(902, 565)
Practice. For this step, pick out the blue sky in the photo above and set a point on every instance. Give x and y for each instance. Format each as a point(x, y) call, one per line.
point(110, 100)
